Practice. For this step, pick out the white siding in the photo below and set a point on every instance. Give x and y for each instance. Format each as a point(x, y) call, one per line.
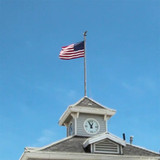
point(81, 120)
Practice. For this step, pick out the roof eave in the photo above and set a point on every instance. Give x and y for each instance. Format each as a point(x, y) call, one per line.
point(64, 116)
point(81, 109)
point(76, 156)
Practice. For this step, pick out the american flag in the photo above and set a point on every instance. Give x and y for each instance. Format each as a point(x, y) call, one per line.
point(72, 51)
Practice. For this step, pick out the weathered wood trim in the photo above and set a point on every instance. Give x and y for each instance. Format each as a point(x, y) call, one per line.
point(79, 156)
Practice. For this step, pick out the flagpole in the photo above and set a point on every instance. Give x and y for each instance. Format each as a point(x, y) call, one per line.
point(85, 76)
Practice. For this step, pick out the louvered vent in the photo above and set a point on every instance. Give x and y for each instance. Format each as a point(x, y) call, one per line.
point(106, 146)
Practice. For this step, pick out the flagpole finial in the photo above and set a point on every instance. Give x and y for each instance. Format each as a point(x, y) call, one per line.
point(85, 33)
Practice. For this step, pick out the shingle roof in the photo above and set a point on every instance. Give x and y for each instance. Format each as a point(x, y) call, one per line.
point(88, 102)
point(138, 151)
point(75, 144)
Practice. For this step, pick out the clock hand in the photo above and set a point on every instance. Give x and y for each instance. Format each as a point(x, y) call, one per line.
point(90, 124)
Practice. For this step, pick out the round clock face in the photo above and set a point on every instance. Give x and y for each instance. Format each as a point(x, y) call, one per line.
point(91, 126)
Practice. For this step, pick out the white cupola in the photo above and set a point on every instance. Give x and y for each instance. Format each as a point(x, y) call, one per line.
point(86, 118)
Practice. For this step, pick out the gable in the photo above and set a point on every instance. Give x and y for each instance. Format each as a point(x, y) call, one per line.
point(102, 137)
point(107, 146)
point(87, 102)
point(105, 143)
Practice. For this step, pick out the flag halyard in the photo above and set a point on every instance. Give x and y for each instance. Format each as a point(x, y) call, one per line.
point(72, 51)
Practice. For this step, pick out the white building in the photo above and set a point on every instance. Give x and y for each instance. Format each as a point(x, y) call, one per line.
point(88, 138)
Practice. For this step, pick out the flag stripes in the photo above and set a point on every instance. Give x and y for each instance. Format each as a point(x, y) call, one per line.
point(72, 51)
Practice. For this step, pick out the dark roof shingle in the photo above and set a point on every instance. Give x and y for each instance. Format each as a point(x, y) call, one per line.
point(75, 144)
point(138, 151)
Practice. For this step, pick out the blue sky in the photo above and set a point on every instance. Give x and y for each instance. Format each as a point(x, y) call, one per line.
point(123, 69)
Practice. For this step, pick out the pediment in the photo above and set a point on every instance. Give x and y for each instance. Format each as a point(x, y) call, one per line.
point(88, 102)
point(105, 143)
point(102, 137)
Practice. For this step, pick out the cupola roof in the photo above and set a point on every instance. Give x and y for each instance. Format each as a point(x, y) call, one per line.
point(88, 106)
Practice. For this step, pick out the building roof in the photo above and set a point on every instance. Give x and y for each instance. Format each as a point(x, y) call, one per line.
point(80, 147)
point(69, 144)
point(74, 144)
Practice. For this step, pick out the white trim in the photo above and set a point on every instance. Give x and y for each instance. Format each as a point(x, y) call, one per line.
point(75, 121)
point(79, 156)
point(102, 136)
point(121, 149)
point(81, 109)
point(108, 112)
point(106, 121)
point(75, 115)
point(91, 148)
point(105, 117)
point(64, 116)
point(23, 155)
